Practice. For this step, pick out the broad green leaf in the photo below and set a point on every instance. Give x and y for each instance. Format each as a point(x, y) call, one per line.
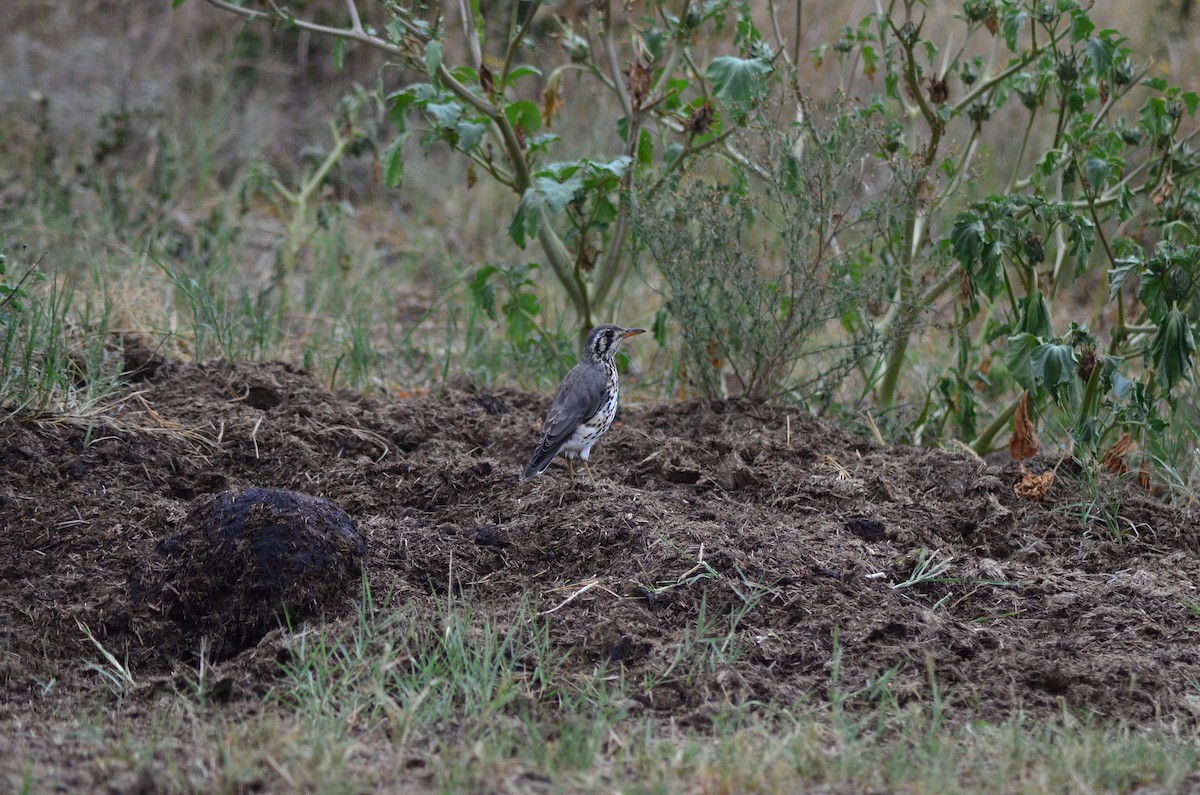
point(605, 211)
point(1011, 29)
point(1035, 315)
point(557, 195)
point(1081, 240)
point(542, 141)
point(673, 153)
point(433, 56)
point(662, 319)
point(616, 167)
point(1098, 171)
point(1100, 54)
point(483, 292)
point(562, 170)
point(393, 162)
point(989, 276)
point(1119, 275)
point(520, 310)
point(1192, 100)
point(525, 115)
point(967, 239)
point(465, 75)
point(1081, 27)
point(527, 217)
point(645, 150)
point(1019, 359)
point(623, 128)
point(522, 71)
point(1171, 350)
point(445, 114)
point(402, 102)
point(470, 134)
point(738, 81)
point(1121, 385)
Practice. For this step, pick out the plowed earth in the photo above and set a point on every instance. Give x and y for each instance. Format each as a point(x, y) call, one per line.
point(1081, 601)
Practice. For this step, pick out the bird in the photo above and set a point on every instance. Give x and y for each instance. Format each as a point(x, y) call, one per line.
point(584, 406)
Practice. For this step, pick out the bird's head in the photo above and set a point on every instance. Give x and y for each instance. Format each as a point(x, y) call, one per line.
point(603, 341)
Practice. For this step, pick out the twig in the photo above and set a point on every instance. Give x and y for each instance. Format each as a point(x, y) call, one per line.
point(575, 595)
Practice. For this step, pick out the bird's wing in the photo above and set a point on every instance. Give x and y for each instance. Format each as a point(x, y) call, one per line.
point(578, 398)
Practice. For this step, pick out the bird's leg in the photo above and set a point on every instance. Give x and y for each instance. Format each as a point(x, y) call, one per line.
point(588, 469)
point(570, 469)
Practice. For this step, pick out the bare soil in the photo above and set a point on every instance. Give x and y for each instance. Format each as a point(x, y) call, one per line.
point(1076, 602)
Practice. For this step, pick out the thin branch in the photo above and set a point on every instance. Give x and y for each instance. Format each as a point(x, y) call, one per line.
point(610, 50)
point(359, 35)
point(470, 34)
point(515, 42)
point(355, 20)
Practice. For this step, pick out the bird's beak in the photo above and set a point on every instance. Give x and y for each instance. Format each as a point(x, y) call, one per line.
point(631, 332)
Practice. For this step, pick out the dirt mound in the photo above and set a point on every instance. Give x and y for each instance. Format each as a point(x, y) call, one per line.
point(786, 547)
point(242, 564)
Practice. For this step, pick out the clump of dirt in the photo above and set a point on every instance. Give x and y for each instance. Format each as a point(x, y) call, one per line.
point(241, 564)
point(795, 541)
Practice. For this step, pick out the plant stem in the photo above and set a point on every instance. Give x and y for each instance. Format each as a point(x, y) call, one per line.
point(983, 443)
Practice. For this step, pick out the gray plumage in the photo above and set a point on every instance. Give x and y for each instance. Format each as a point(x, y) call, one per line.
point(585, 404)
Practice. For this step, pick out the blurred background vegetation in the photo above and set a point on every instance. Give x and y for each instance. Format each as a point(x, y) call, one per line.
point(944, 222)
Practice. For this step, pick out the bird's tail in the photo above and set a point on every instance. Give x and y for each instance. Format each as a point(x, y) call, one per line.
point(537, 465)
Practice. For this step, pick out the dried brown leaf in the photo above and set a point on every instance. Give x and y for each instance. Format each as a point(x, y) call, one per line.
point(1034, 487)
point(1024, 441)
point(1143, 478)
point(487, 80)
point(552, 103)
point(1161, 193)
point(639, 82)
point(1114, 459)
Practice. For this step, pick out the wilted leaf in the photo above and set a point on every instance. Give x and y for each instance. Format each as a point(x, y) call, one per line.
point(1024, 441)
point(701, 120)
point(1034, 487)
point(1114, 459)
point(639, 83)
point(552, 102)
point(1163, 191)
point(1117, 276)
point(1171, 350)
point(1054, 365)
point(1019, 358)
